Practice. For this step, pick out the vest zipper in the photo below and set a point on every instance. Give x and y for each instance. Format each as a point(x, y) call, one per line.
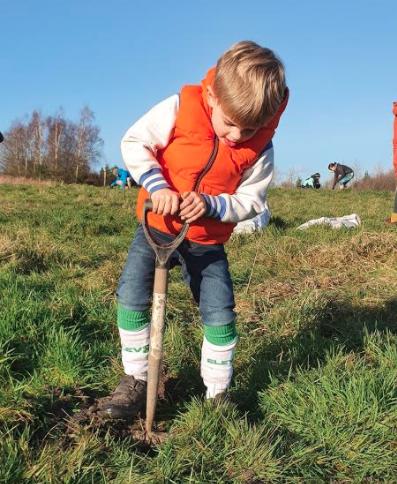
point(209, 164)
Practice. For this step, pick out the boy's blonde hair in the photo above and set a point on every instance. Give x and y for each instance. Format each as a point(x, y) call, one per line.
point(249, 84)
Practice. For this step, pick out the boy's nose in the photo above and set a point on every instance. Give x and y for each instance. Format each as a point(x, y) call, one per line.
point(235, 134)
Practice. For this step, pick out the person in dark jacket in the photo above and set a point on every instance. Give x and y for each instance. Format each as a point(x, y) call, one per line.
point(342, 174)
point(1, 137)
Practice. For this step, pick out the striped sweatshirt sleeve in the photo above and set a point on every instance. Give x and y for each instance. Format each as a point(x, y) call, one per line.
point(144, 138)
point(250, 197)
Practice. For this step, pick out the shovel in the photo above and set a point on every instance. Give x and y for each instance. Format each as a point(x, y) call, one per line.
point(163, 253)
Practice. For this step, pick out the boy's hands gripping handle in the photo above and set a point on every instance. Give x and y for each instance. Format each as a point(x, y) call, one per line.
point(162, 251)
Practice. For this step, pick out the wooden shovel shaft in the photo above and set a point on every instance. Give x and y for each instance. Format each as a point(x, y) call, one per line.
point(156, 343)
point(163, 252)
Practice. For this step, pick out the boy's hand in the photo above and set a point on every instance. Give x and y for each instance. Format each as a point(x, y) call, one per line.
point(165, 202)
point(192, 207)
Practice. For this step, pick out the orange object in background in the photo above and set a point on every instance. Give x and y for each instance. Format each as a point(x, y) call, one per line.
point(395, 138)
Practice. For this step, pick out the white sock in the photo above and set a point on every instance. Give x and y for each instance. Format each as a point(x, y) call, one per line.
point(135, 351)
point(217, 366)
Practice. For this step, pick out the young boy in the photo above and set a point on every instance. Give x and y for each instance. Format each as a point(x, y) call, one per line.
point(222, 128)
point(342, 174)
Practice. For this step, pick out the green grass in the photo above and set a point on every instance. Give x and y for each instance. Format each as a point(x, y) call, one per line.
point(316, 368)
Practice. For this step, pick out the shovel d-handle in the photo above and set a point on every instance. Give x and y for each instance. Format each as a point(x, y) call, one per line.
point(163, 253)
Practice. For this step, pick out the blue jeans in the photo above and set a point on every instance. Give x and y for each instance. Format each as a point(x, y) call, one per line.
point(345, 180)
point(204, 267)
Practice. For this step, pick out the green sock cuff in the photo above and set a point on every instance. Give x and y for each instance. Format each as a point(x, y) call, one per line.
point(221, 335)
point(132, 320)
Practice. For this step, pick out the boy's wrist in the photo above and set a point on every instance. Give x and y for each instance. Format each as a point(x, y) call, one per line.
point(153, 180)
point(158, 187)
point(215, 206)
point(207, 203)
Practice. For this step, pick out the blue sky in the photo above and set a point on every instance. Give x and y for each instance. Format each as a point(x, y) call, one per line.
point(121, 57)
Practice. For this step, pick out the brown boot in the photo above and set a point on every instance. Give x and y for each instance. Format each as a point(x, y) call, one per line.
point(125, 402)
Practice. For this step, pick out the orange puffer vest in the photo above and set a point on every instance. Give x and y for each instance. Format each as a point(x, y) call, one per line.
point(187, 154)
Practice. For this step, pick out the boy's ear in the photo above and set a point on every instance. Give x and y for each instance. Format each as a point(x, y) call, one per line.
point(212, 99)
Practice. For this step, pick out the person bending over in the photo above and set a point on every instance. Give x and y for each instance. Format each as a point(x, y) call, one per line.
point(221, 129)
point(123, 178)
point(312, 181)
point(342, 174)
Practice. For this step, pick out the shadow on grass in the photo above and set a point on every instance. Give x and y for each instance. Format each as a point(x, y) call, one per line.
point(279, 223)
point(338, 326)
point(175, 392)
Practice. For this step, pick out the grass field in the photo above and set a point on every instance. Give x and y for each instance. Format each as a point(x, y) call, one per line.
point(315, 387)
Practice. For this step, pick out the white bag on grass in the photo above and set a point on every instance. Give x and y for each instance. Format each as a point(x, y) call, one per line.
point(349, 221)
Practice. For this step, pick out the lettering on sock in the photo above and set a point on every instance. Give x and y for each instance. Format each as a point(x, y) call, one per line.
point(218, 362)
point(142, 349)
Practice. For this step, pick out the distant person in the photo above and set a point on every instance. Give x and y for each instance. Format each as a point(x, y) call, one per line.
point(204, 157)
point(1, 137)
point(342, 174)
point(123, 178)
point(393, 217)
point(313, 181)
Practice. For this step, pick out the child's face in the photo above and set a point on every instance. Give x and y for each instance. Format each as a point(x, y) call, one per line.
point(226, 130)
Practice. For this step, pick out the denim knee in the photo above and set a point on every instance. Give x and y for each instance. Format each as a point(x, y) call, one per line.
point(206, 270)
point(135, 286)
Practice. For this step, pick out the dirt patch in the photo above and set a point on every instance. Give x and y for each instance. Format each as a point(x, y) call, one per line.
point(89, 419)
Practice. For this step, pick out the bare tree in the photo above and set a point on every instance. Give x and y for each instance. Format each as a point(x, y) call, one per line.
point(36, 138)
point(88, 142)
point(55, 130)
point(52, 148)
point(15, 151)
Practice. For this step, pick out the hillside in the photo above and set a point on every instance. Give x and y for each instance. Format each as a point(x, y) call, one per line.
point(316, 366)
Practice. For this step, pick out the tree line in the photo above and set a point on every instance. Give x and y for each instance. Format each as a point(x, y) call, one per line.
point(52, 147)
